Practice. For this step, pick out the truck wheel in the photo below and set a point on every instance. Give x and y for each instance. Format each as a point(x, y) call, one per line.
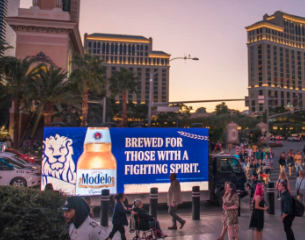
point(219, 197)
point(18, 182)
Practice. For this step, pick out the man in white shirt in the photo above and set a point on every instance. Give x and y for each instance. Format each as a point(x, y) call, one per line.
point(82, 227)
point(174, 198)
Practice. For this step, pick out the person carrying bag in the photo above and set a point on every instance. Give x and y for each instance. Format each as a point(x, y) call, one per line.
point(300, 186)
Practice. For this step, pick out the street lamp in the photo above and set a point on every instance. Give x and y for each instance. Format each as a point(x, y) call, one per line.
point(150, 103)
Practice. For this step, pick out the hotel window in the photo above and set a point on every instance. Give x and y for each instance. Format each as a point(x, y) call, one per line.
point(133, 50)
point(146, 47)
point(89, 44)
point(107, 48)
point(116, 48)
point(103, 48)
point(260, 67)
point(260, 107)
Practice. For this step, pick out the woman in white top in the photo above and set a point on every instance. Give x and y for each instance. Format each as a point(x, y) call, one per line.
point(300, 186)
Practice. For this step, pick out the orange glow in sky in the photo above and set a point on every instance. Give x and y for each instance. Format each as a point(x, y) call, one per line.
point(213, 31)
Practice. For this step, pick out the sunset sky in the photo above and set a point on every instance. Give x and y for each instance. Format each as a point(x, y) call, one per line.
point(214, 31)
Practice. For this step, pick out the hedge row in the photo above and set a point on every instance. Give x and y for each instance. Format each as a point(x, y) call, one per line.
point(27, 213)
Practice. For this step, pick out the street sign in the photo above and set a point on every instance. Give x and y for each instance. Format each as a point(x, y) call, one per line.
point(167, 109)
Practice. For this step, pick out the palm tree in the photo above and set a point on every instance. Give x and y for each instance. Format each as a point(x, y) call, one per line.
point(3, 47)
point(121, 82)
point(16, 78)
point(88, 76)
point(51, 89)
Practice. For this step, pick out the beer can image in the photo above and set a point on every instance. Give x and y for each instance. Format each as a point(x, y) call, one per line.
point(97, 166)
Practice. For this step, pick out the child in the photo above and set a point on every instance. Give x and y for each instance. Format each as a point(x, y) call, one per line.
point(119, 218)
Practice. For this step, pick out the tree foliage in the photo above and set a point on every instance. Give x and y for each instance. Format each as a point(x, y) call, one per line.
point(221, 108)
point(120, 83)
point(88, 76)
point(27, 213)
point(50, 90)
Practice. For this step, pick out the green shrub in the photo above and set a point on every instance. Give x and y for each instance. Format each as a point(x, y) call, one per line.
point(27, 213)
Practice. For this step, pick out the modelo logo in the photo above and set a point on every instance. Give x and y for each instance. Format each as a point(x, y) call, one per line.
point(97, 135)
point(96, 179)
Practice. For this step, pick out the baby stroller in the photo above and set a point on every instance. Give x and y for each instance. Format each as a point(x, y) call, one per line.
point(143, 231)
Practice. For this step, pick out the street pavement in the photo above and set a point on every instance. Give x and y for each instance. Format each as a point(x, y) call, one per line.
point(209, 226)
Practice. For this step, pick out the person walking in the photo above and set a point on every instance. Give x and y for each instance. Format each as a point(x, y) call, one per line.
point(282, 162)
point(174, 198)
point(252, 167)
point(267, 167)
point(230, 207)
point(298, 162)
point(286, 210)
point(290, 162)
point(88, 201)
point(236, 154)
point(271, 155)
point(224, 226)
point(230, 147)
point(257, 217)
point(263, 154)
point(250, 152)
point(119, 218)
point(82, 227)
point(145, 220)
point(257, 154)
point(282, 178)
point(300, 186)
point(252, 187)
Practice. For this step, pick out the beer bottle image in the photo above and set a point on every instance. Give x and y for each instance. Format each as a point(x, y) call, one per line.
point(96, 167)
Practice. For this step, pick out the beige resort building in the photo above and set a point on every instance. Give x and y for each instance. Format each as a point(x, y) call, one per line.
point(136, 54)
point(276, 62)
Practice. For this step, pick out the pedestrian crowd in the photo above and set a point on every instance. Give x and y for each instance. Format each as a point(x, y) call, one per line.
point(257, 164)
point(78, 212)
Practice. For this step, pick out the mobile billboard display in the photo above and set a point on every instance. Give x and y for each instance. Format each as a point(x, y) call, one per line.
point(83, 161)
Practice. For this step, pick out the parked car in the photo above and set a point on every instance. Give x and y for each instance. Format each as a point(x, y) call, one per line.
point(279, 137)
point(16, 175)
point(25, 156)
point(293, 139)
point(12, 159)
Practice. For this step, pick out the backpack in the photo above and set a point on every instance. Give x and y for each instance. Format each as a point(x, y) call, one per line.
point(298, 207)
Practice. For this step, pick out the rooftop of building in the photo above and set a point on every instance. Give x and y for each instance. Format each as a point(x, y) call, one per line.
point(268, 18)
point(110, 35)
point(159, 53)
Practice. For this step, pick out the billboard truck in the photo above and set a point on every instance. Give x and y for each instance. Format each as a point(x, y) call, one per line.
point(84, 161)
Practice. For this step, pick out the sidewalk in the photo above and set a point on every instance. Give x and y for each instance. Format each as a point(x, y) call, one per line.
point(209, 227)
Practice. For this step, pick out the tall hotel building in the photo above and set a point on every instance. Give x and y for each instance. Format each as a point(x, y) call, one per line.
point(276, 62)
point(8, 8)
point(136, 54)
